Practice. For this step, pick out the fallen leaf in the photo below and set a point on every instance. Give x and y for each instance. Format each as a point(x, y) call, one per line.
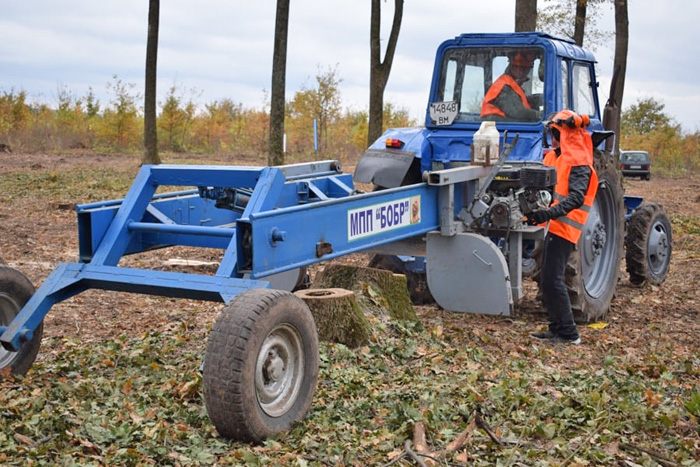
point(462, 456)
point(613, 448)
point(651, 399)
point(90, 446)
point(24, 439)
point(126, 388)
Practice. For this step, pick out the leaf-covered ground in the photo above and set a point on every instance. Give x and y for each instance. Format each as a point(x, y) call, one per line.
point(117, 379)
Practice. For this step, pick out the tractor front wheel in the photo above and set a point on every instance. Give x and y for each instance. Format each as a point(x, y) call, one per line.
point(261, 365)
point(15, 291)
point(648, 244)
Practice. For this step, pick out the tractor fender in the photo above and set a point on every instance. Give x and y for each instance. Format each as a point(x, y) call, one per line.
point(393, 167)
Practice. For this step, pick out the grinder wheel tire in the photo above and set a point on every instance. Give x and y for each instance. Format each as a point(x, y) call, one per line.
point(15, 291)
point(261, 365)
point(648, 244)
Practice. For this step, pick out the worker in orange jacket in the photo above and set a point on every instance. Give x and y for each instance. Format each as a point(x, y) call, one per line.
point(505, 100)
point(574, 193)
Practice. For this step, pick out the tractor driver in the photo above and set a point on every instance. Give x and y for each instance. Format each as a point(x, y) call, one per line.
point(505, 100)
point(577, 184)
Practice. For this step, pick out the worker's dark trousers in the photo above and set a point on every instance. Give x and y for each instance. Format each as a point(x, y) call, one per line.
point(556, 298)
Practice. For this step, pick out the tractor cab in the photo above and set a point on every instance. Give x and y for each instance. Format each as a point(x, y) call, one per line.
point(515, 80)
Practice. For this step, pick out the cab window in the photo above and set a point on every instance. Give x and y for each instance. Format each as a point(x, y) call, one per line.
point(467, 75)
point(564, 96)
point(582, 87)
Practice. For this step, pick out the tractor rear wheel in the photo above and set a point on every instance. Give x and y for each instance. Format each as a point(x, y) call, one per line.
point(261, 365)
point(15, 291)
point(648, 244)
point(594, 266)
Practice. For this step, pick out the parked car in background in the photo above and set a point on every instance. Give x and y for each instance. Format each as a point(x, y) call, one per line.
point(635, 164)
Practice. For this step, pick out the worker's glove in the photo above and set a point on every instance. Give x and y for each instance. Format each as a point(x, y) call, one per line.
point(539, 217)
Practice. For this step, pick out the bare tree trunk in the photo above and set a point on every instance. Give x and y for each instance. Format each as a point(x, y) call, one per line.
point(613, 108)
point(379, 71)
point(580, 24)
point(150, 132)
point(525, 15)
point(279, 72)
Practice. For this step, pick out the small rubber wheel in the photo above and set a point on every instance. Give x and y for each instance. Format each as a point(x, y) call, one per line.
point(261, 365)
point(15, 291)
point(648, 244)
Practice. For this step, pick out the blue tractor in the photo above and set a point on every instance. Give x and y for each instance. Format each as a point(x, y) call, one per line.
point(561, 76)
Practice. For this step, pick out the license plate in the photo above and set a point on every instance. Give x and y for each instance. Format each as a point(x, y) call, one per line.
point(635, 166)
point(443, 113)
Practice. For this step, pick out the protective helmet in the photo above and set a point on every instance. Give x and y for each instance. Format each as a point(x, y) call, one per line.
point(524, 59)
point(571, 134)
point(568, 118)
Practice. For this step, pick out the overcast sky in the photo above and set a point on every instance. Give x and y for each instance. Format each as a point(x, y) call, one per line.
point(223, 48)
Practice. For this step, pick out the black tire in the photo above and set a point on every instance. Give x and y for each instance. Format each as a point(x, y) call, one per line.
point(261, 365)
point(594, 266)
point(416, 282)
point(648, 244)
point(15, 291)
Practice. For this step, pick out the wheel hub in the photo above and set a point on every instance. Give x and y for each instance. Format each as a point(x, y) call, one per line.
point(658, 247)
point(279, 370)
point(599, 239)
point(274, 367)
point(595, 238)
point(8, 310)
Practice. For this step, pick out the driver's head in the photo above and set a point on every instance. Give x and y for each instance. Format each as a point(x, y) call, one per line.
point(520, 64)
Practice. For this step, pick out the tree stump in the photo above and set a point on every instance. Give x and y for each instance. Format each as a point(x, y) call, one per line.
point(338, 316)
point(380, 293)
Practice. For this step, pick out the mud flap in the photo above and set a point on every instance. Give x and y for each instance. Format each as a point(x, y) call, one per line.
point(384, 168)
point(468, 273)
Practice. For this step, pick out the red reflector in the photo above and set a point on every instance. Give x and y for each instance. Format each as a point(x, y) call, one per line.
point(393, 143)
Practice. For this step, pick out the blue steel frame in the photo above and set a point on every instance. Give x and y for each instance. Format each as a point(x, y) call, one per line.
point(296, 215)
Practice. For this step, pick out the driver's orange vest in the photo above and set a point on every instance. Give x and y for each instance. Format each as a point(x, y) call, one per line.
point(571, 226)
point(488, 108)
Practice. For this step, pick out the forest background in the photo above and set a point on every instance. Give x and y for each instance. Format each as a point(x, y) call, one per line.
point(233, 131)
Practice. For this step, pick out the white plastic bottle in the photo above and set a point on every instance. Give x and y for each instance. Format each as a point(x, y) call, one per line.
point(485, 143)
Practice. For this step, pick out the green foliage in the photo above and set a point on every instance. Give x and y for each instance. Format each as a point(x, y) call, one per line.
point(121, 124)
point(322, 104)
point(14, 112)
point(558, 17)
point(647, 115)
point(175, 120)
point(647, 127)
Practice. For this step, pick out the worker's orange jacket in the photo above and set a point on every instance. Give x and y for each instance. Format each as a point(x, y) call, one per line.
point(576, 150)
point(488, 108)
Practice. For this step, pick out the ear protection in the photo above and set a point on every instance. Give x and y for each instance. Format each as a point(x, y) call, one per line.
point(571, 119)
